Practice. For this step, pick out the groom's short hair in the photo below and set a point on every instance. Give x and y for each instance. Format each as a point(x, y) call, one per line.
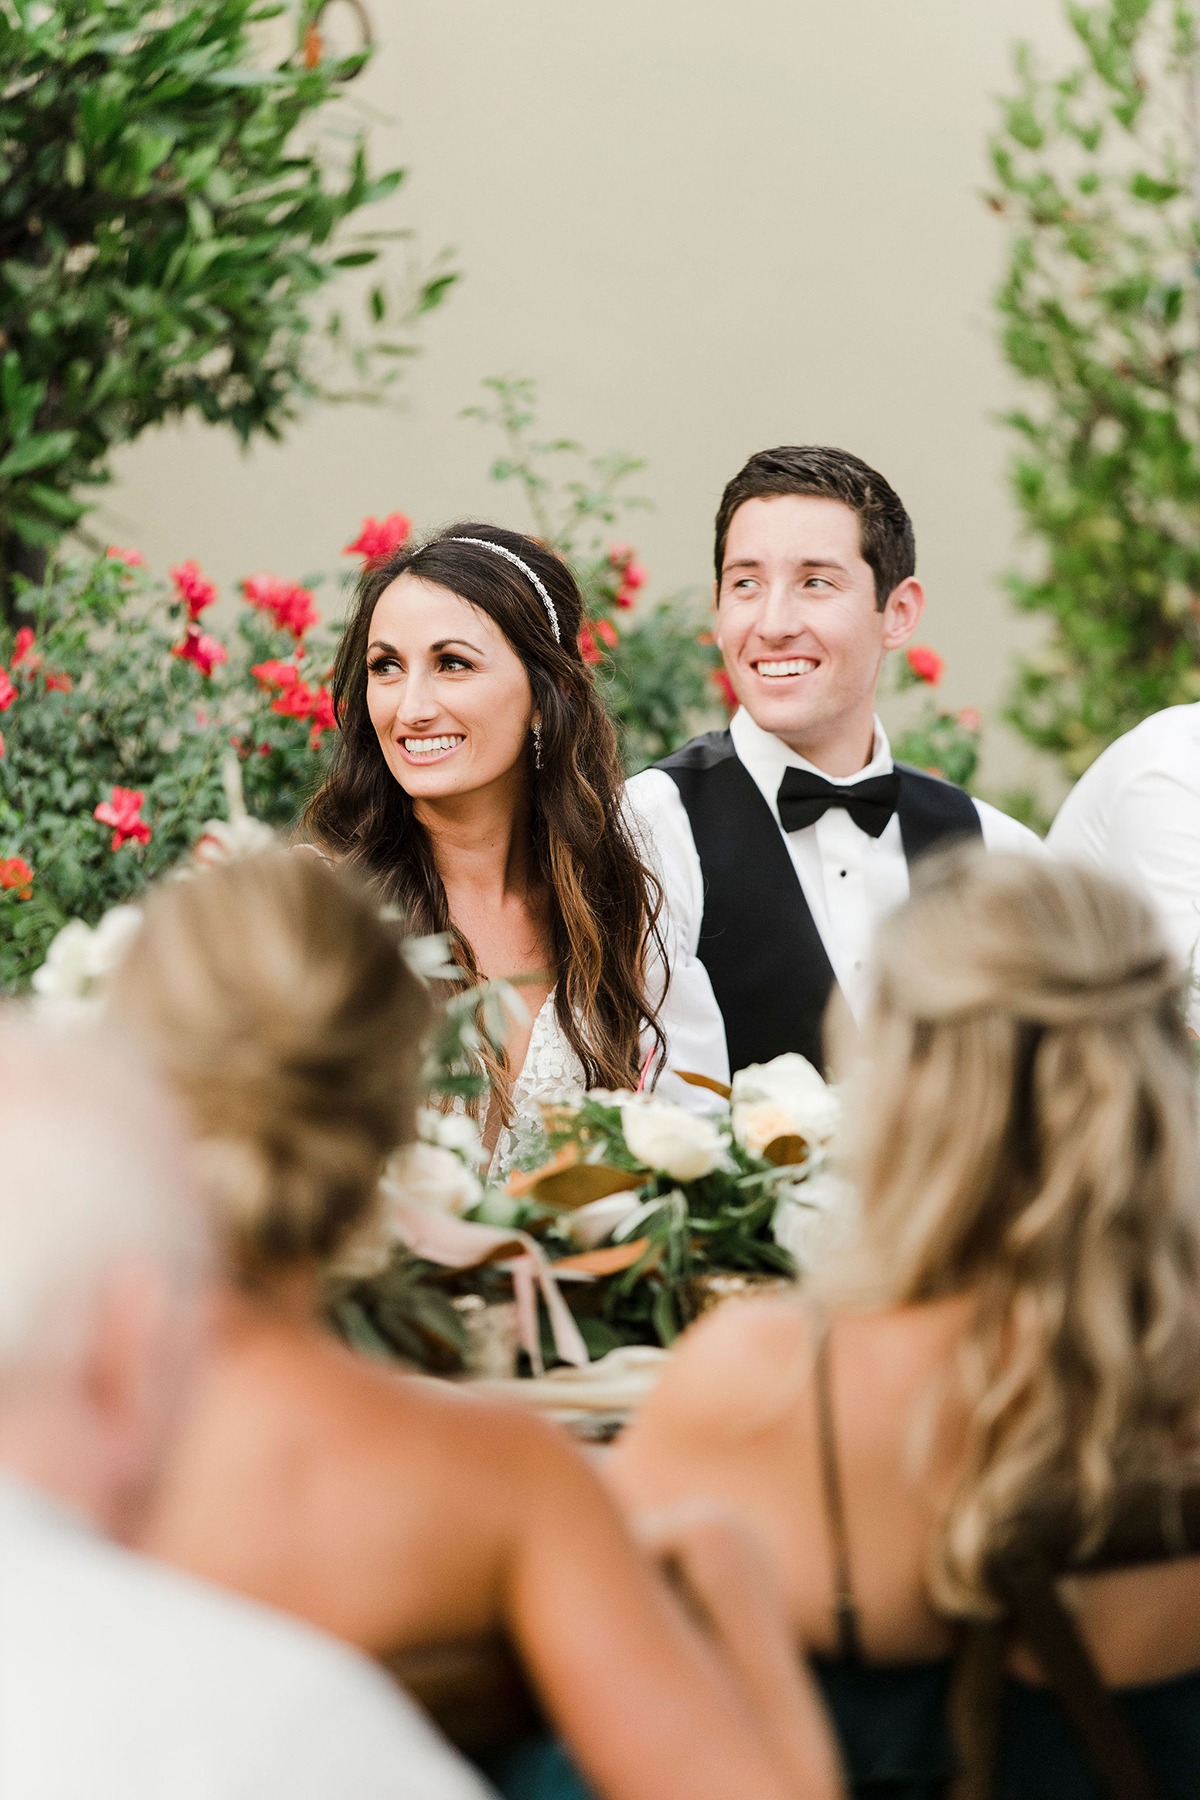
point(885, 529)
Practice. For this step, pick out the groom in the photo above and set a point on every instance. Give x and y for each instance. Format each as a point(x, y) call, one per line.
point(783, 840)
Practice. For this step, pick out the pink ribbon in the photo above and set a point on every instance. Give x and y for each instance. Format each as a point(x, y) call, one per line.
point(458, 1244)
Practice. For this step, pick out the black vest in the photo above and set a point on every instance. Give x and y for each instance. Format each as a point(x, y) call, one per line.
point(758, 941)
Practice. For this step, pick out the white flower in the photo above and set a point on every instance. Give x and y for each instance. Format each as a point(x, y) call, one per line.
point(429, 1175)
point(430, 957)
point(80, 957)
point(237, 835)
point(221, 840)
point(453, 1131)
point(812, 1215)
point(64, 974)
point(782, 1098)
point(680, 1144)
point(589, 1225)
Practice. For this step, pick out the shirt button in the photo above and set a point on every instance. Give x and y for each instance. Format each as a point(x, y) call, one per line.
point(842, 873)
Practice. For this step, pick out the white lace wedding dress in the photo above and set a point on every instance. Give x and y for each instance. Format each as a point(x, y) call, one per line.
point(551, 1071)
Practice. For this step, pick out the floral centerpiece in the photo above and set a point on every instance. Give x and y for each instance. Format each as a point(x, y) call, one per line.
point(634, 1215)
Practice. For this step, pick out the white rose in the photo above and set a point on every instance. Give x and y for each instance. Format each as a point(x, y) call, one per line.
point(79, 956)
point(782, 1098)
point(680, 1144)
point(64, 974)
point(111, 938)
point(812, 1216)
point(589, 1225)
point(453, 1131)
point(429, 1175)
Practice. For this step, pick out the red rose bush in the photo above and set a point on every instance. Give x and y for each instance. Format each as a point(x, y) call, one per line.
point(124, 699)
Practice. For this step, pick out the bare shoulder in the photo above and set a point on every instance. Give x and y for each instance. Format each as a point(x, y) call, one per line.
point(387, 1414)
point(738, 1367)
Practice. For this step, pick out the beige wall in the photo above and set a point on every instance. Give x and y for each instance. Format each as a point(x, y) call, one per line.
point(705, 228)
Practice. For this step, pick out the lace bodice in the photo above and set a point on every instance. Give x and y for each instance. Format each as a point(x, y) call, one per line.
point(551, 1070)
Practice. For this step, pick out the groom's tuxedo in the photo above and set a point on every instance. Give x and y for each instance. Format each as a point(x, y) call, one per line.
point(768, 921)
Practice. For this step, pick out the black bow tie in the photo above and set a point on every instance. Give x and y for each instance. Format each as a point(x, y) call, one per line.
point(804, 797)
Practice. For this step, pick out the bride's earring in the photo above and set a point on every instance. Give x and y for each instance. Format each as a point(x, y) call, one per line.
point(537, 744)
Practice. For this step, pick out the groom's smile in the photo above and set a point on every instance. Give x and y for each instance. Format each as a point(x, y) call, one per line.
point(800, 626)
point(775, 670)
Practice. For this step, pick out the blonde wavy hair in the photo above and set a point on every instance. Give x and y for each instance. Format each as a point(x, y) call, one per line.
point(1026, 1135)
point(275, 1001)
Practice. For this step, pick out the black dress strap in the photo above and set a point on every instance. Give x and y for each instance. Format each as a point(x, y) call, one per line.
point(845, 1606)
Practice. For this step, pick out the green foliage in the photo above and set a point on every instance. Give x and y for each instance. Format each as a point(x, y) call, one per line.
point(943, 742)
point(1097, 174)
point(656, 668)
point(102, 701)
point(167, 217)
point(719, 1223)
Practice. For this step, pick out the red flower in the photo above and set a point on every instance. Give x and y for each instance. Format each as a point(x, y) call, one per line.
point(724, 687)
point(969, 719)
point(121, 812)
point(16, 874)
point(190, 585)
point(633, 576)
point(925, 664)
point(291, 606)
point(378, 538)
point(632, 580)
point(323, 719)
point(297, 701)
point(23, 646)
point(8, 692)
point(133, 559)
point(587, 644)
point(58, 682)
point(275, 674)
point(197, 647)
point(589, 631)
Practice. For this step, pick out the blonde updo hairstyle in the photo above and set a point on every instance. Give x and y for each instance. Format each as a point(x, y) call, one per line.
point(275, 1000)
point(1025, 1133)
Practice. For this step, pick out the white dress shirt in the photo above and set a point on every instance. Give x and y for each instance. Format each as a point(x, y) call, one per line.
point(121, 1679)
point(849, 878)
point(1136, 813)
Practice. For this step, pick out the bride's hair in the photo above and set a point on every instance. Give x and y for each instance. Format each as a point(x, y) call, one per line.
point(277, 1004)
point(604, 902)
point(1025, 1134)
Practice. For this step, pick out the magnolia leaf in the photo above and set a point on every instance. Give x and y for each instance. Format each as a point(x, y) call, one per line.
point(567, 1188)
point(610, 1261)
point(705, 1081)
point(523, 1181)
point(787, 1149)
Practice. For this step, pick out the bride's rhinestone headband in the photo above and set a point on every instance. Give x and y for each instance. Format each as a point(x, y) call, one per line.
point(515, 560)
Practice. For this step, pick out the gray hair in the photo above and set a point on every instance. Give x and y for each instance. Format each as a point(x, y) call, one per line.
point(93, 1175)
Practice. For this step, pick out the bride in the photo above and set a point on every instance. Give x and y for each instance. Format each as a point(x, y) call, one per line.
point(476, 779)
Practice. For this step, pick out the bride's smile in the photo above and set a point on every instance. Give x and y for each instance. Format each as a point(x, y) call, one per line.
point(447, 694)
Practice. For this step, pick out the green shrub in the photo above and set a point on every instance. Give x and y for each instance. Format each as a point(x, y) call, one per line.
point(1096, 177)
point(105, 704)
point(168, 217)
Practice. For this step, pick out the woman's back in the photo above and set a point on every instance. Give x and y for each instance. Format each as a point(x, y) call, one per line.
point(737, 1419)
point(377, 1505)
